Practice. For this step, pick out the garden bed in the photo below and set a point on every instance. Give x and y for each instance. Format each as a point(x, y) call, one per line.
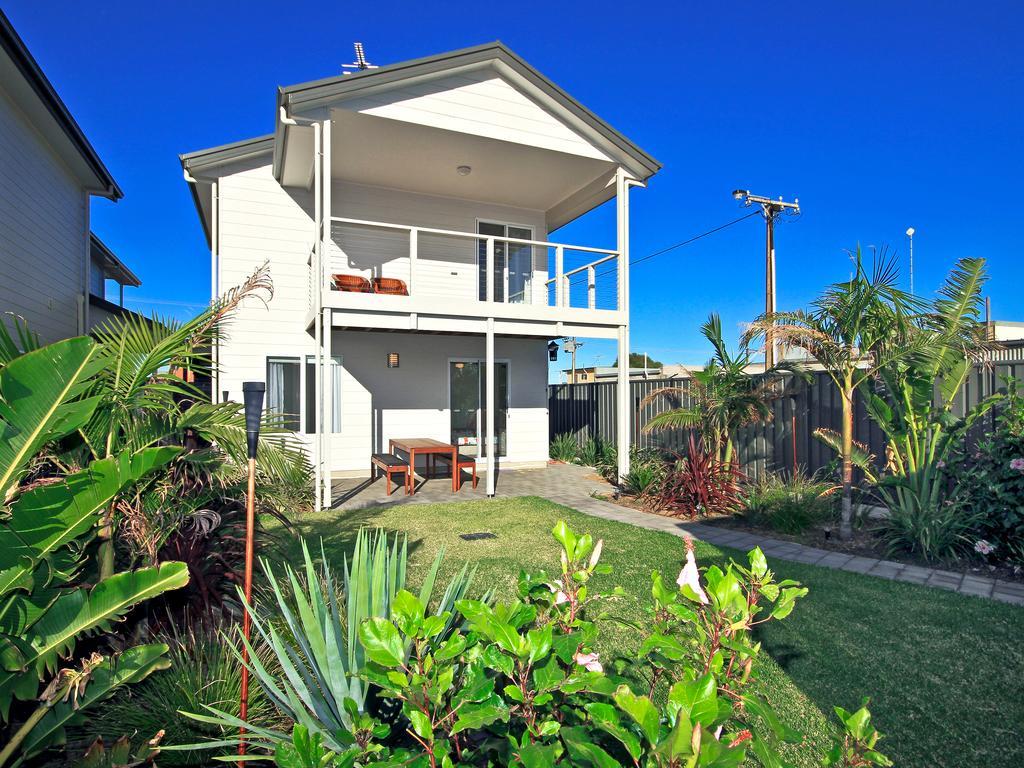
point(866, 542)
point(848, 639)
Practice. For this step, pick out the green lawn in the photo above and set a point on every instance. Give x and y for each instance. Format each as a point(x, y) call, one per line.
point(943, 670)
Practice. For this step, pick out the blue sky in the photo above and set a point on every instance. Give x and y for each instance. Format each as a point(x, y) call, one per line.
point(877, 115)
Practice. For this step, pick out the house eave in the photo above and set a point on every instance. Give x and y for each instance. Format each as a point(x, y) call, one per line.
point(102, 182)
point(200, 167)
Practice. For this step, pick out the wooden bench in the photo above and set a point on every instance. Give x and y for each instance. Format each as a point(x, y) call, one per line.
point(464, 462)
point(389, 464)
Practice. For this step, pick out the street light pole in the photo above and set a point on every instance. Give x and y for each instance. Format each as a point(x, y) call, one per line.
point(910, 234)
point(770, 209)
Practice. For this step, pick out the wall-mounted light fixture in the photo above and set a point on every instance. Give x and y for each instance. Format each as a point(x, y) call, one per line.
point(392, 359)
point(552, 351)
point(464, 170)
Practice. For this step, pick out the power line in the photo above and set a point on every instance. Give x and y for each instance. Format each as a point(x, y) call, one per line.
point(680, 244)
point(693, 239)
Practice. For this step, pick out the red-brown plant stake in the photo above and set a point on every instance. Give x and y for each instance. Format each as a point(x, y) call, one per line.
point(253, 395)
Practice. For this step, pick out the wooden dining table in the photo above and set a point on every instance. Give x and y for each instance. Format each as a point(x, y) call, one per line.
point(428, 447)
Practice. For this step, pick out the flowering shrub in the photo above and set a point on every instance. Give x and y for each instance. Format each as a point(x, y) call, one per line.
point(989, 477)
point(520, 683)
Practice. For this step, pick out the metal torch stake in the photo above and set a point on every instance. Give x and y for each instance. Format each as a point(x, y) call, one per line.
point(253, 393)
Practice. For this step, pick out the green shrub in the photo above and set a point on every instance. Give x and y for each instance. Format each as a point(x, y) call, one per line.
point(789, 505)
point(204, 672)
point(943, 531)
point(564, 448)
point(990, 483)
point(595, 451)
point(519, 683)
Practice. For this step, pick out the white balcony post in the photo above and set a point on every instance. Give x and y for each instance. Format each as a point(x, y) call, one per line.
point(591, 288)
point(559, 269)
point(489, 440)
point(414, 242)
point(318, 249)
point(323, 394)
point(489, 277)
point(624, 405)
point(325, 205)
point(327, 400)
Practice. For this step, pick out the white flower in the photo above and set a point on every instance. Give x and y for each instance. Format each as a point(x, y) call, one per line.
point(589, 661)
point(689, 575)
point(596, 554)
point(561, 597)
point(983, 547)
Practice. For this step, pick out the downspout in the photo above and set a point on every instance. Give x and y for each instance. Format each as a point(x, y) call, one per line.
point(83, 297)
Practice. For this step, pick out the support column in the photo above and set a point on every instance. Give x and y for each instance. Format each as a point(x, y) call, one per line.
point(489, 440)
point(318, 355)
point(326, 396)
point(624, 405)
point(327, 388)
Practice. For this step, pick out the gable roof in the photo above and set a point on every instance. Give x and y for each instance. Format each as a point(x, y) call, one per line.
point(34, 82)
point(315, 94)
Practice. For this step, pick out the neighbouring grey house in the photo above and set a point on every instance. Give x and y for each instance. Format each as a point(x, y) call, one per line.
point(53, 272)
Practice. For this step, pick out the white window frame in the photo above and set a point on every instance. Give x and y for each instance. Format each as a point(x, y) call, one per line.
point(506, 224)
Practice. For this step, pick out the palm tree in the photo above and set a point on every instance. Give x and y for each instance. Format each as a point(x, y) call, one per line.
point(848, 330)
point(143, 403)
point(722, 397)
point(914, 405)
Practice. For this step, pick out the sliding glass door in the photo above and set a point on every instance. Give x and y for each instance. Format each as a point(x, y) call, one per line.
point(513, 264)
point(468, 401)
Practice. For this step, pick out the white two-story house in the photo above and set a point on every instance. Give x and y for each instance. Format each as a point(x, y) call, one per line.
point(406, 214)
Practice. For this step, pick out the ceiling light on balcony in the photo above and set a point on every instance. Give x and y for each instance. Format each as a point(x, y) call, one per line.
point(463, 170)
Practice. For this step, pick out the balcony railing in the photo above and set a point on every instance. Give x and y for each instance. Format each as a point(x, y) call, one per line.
point(454, 265)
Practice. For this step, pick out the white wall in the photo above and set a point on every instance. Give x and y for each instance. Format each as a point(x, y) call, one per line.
point(380, 403)
point(43, 230)
point(480, 102)
point(260, 222)
point(447, 266)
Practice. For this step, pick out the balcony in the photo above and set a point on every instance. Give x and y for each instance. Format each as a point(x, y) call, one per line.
point(535, 286)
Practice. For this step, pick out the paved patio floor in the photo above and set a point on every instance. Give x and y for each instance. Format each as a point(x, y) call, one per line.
point(574, 486)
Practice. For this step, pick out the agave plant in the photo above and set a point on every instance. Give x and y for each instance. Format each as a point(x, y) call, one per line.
point(317, 647)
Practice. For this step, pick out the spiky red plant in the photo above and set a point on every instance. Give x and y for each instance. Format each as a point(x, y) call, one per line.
point(699, 484)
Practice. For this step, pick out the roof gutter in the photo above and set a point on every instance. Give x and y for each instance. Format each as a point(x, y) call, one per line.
point(285, 121)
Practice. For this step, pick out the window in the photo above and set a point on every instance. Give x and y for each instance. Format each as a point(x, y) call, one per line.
point(335, 392)
point(283, 390)
point(513, 263)
point(286, 379)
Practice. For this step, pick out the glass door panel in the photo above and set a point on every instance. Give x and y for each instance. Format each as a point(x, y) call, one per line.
point(498, 230)
point(465, 403)
point(468, 381)
point(520, 266)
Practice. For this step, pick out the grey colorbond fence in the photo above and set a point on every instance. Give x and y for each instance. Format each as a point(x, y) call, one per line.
point(589, 410)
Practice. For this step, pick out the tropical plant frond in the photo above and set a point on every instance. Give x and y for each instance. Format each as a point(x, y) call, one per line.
point(677, 418)
point(861, 456)
point(17, 339)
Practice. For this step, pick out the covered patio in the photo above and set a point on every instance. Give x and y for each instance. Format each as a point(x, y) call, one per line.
point(562, 483)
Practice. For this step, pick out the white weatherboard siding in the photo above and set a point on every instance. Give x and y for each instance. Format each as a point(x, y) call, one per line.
point(479, 102)
point(379, 403)
point(447, 266)
point(258, 221)
point(43, 230)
